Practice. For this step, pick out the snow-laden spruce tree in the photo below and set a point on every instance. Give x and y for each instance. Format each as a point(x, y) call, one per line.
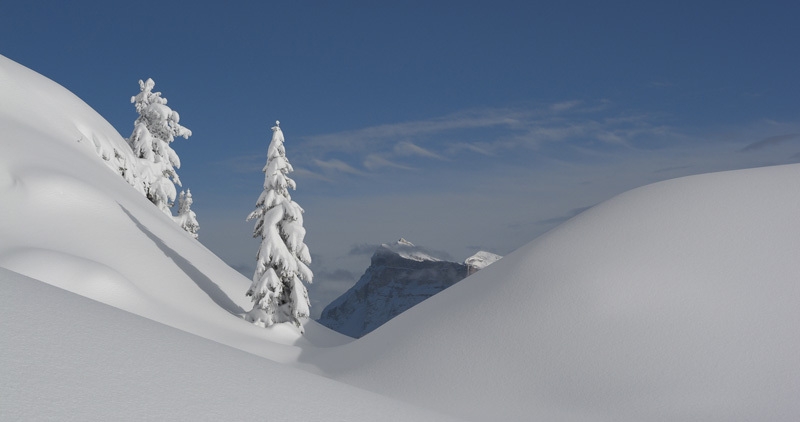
point(277, 291)
point(186, 218)
point(153, 131)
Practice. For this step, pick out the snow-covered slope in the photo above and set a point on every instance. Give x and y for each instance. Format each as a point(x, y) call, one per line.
point(65, 357)
point(676, 301)
point(67, 219)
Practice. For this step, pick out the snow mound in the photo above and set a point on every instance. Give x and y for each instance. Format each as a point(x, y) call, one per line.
point(674, 301)
point(78, 275)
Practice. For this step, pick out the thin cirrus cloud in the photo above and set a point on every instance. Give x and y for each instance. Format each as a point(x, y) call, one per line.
point(565, 105)
point(433, 137)
point(562, 218)
point(304, 173)
point(337, 166)
point(383, 136)
point(375, 162)
point(481, 148)
point(242, 164)
point(406, 148)
point(363, 249)
point(770, 141)
point(487, 132)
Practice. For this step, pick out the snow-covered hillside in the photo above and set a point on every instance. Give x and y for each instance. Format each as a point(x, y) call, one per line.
point(676, 301)
point(672, 302)
point(68, 220)
point(65, 357)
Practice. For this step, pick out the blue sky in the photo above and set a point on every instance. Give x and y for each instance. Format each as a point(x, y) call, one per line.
point(458, 125)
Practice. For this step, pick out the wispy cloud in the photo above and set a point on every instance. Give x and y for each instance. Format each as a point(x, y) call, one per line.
point(565, 105)
point(406, 148)
point(612, 138)
point(302, 173)
point(337, 275)
point(243, 164)
point(483, 149)
point(560, 219)
point(336, 165)
point(663, 84)
point(770, 141)
point(671, 169)
point(363, 249)
point(375, 161)
point(508, 127)
point(380, 136)
point(493, 133)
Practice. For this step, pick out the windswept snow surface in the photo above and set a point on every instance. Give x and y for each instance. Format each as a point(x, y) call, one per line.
point(677, 301)
point(81, 360)
point(672, 302)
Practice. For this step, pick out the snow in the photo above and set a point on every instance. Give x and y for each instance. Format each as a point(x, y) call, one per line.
point(674, 301)
point(68, 220)
point(481, 260)
point(65, 212)
point(154, 130)
point(83, 360)
point(408, 250)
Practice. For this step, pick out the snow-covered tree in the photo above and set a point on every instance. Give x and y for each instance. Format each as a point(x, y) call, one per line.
point(186, 218)
point(153, 131)
point(277, 291)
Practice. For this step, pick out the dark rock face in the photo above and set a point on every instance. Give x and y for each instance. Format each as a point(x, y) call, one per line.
point(393, 283)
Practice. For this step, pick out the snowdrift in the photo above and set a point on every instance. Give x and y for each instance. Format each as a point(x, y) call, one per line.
point(676, 301)
point(83, 360)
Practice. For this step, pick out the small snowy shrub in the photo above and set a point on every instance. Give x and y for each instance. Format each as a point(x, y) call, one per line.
point(186, 218)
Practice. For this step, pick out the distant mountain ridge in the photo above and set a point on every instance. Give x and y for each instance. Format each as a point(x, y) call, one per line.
point(400, 276)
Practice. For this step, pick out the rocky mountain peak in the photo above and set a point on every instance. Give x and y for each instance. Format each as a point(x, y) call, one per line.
point(400, 276)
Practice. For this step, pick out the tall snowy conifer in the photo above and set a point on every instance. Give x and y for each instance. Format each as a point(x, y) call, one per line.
point(186, 218)
point(277, 291)
point(153, 131)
